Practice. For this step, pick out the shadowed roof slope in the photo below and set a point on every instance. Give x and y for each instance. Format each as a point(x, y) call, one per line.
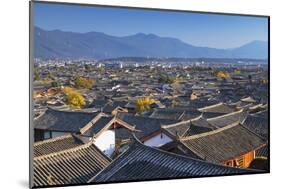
point(66, 121)
point(187, 128)
point(258, 124)
point(140, 162)
point(98, 126)
point(73, 166)
point(144, 125)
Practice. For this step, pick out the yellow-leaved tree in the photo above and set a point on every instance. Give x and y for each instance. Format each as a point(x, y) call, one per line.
point(237, 71)
point(222, 74)
point(83, 82)
point(73, 98)
point(143, 104)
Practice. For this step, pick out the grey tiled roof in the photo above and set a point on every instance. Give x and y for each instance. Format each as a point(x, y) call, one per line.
point(98, 103)
point(227, 119)
point(113, 105)
point(55, 145)
point(65, 121)
point(257, 124)
point(195, 130)
point(73, 166)
point(144, 125)
point(188, 128)
point(175, 113)
point(217, 108)
point(98, 126)
point(223, 144)
point(140, 162)
point(208, 115)
point(262, 152)
point(263, 114)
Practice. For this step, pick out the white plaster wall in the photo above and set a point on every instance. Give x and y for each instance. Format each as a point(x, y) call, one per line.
point(106, 142)
point(158, 140)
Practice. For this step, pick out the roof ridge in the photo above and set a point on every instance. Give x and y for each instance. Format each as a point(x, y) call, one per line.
point(247, 98)
point(211, 132)
point(225, 115)
point(181, 122)
point(257, 113)
point(125, 123)
point(256, 106)
point(211, 106)
point(69, 111)
point(82, 146)
point(174, 124)
point(92, 122)
point(52, 139)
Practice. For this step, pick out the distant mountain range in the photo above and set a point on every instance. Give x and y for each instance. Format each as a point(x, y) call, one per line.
point(96, 45)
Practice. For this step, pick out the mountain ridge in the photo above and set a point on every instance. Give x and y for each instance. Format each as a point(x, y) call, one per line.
point(98, 45)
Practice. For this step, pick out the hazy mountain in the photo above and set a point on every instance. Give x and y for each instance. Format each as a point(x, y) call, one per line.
point(60, 44)
point(254, 49)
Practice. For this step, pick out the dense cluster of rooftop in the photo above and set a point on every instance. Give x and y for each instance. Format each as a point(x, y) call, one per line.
point(199, 120)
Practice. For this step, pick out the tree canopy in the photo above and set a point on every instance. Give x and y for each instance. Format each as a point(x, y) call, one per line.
point(222, 74)
point(167, 79)
point(143, 104)
point(237, 71)
point(82, 82)
point(73, 98)
point(36, 75)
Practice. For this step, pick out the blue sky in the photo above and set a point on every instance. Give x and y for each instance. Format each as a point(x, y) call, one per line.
point(208, 30)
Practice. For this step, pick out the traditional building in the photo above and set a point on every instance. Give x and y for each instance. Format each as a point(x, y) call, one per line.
point(147, 130)
point(217, 108)
point(74, 165)
point(227, 119)
point(96, 126)
point(233, 145)
point(54, 145)
point(141, 162)
point(55, 123)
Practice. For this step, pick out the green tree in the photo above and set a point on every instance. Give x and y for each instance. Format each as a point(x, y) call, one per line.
point(167, 79)
point(55, 84)
point(36, 75)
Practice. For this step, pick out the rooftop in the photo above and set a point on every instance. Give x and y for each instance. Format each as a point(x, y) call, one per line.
point(66, 121)
point(72, 166)
point(140, 162)
point(223, 144)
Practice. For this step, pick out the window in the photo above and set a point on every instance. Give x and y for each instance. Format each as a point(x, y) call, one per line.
point(240, 161)
point(229, 163)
